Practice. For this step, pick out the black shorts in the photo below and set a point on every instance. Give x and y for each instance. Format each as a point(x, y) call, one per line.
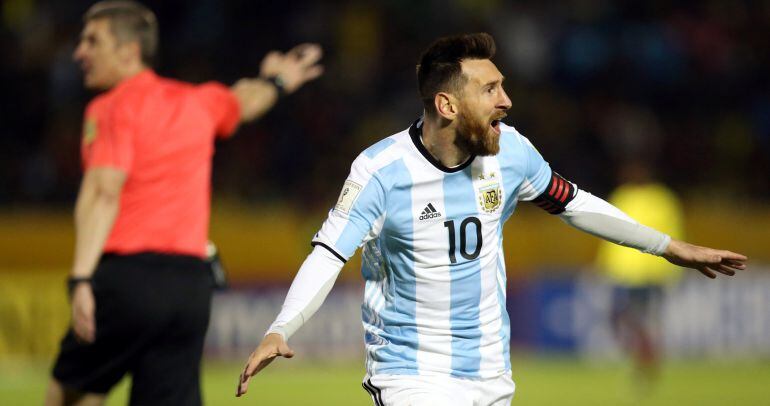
point(641, 304)
point(152, 312)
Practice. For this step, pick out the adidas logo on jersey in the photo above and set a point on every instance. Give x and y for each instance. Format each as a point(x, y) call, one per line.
point(429, 212)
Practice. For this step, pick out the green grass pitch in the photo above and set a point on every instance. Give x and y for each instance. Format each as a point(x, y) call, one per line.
point(539, 380)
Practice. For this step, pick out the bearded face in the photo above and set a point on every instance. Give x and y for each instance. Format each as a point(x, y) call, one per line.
point(478, 134)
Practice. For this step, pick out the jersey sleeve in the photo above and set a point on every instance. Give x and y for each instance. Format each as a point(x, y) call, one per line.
point(357, 216)
point(222, 106)
point(537, 172)
point(108, 136)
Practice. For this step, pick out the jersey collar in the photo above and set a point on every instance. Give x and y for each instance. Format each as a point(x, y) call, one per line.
point(415, 133)
point(146, 75)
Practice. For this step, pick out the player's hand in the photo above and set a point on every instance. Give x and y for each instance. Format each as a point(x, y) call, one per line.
point(296, 67)
point(272, 346)
point(83, 309)
point(706, 260)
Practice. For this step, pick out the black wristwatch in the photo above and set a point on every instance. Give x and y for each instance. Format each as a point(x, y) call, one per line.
point(74, 281)
point(278, 82)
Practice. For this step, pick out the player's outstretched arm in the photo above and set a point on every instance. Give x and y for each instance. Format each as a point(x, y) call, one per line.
point(595, 216)
point(706, 260)
point(278, 73)
point(271, 347)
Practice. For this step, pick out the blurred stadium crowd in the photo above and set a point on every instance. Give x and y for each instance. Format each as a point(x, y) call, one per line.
point(682, 85)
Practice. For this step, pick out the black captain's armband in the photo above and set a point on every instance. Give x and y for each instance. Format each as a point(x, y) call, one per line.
point(557, 195)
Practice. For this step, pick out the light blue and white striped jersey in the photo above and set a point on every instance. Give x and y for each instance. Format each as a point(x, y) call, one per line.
point(432, 258)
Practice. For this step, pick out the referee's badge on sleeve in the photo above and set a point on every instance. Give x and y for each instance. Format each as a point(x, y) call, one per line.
point(89, 131)
point(348, 196)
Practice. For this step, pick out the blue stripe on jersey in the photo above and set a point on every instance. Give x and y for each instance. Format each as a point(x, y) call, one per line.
point(378, 147)
point(465, 286)
point(505, 330)
point(365, 210)
point(399, 355)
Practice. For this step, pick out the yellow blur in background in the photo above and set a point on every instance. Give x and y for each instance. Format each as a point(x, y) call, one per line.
point(656, 206)
point(268, 244)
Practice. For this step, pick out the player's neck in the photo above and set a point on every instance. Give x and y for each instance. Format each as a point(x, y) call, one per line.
point(130, 71)
point(439, 140)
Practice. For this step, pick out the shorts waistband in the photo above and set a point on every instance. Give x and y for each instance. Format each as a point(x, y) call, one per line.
point(154, 257)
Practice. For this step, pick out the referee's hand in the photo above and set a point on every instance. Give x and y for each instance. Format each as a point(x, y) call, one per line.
point(83, 307)
point(296, 67)
point(272, 346)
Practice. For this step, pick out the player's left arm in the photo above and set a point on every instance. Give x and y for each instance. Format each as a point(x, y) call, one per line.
point(595, 216)
point(96, 208)
point(279, 73)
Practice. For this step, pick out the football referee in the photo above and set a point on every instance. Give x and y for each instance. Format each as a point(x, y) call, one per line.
point(140, 288)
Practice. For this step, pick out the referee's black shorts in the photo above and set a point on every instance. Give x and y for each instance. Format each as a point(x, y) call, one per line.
point(152, 312)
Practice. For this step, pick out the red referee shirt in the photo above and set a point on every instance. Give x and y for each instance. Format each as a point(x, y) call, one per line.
point(161, 133)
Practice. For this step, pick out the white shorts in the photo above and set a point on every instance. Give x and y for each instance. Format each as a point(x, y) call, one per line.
point(418, 390)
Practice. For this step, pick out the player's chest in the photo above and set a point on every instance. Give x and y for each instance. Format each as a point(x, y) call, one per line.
point(435, 205)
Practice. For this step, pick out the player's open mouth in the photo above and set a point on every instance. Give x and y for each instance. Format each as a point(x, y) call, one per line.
point(495, 124)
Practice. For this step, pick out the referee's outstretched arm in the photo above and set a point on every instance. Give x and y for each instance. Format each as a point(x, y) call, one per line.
point(279, 74)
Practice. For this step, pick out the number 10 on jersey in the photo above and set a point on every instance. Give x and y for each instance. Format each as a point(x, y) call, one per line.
point(450, 225)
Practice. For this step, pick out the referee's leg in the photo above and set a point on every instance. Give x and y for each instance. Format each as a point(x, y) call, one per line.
point(168, 372)
point(83, 373)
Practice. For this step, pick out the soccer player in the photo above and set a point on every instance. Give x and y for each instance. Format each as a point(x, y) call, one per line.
point(140, 288)
point(639, 280)
point(428, 205)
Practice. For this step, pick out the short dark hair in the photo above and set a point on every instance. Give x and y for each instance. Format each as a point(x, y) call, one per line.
point(129, 21)
point(439, 69)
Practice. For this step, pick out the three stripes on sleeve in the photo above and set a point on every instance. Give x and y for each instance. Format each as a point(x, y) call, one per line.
point(557, 195)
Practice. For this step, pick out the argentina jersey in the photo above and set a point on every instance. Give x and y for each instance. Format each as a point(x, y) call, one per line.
point(434, 301)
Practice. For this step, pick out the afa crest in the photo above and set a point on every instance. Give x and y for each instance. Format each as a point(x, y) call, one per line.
point(489, 197)
point(89, 131)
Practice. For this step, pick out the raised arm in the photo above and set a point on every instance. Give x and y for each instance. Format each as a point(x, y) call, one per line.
point(279, 74)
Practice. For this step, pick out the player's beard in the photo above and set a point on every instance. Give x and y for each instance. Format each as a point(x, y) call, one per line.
point(475, 136)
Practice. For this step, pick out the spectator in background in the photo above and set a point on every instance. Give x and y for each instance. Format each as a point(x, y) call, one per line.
point(638, 279)
point(140, 289)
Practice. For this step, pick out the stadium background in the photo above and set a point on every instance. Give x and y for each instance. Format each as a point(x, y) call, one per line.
point(681, 84)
